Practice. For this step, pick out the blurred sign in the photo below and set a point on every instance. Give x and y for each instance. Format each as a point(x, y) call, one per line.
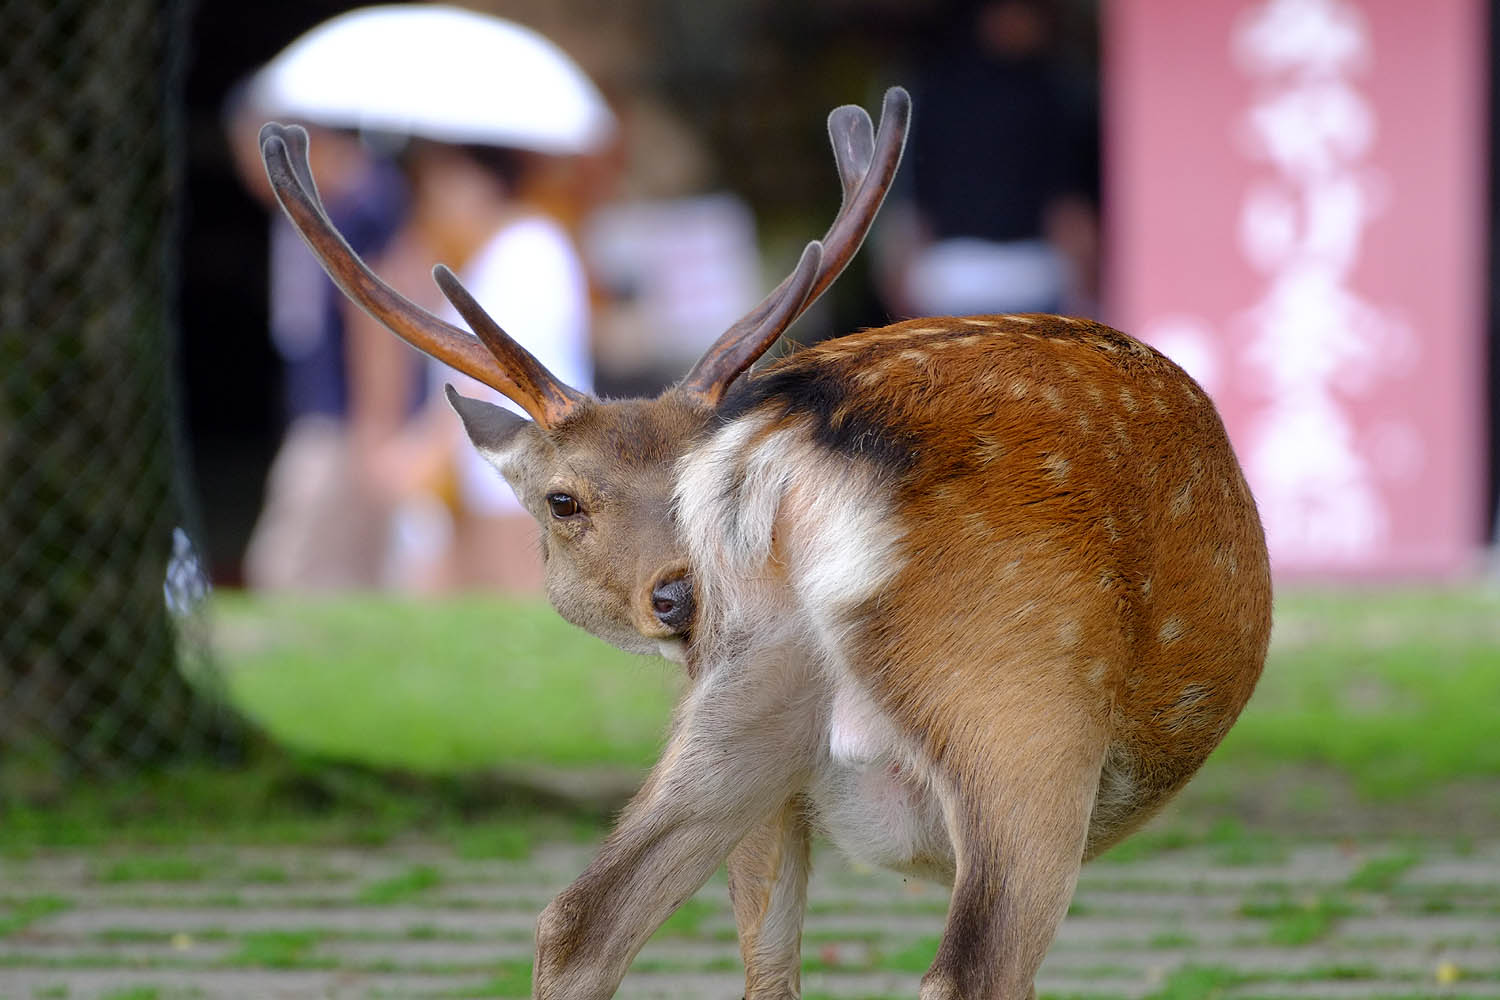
point(1296, 203)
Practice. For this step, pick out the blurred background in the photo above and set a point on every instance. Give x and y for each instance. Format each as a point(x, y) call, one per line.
point(231, 503)
point(1257, 184)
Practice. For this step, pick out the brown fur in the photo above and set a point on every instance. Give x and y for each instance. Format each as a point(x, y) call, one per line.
point(977, 595)
point(1124, 560)
point(974, 594)
point(1082, 611)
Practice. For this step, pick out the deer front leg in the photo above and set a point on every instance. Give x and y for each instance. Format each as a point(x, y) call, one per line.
point(742, 746)
point(768, 889)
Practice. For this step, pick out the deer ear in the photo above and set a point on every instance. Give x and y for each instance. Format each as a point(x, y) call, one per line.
point(492, 428)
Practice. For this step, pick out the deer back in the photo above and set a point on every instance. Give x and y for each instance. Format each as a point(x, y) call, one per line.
point(924, 500)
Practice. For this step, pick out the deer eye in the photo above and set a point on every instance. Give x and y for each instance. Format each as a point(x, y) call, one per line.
point(562, 505)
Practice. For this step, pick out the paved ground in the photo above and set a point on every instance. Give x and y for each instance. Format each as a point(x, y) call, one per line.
point(1306, 919)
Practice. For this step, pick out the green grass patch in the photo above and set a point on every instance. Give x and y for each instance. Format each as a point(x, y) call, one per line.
point(1172, 939)
point(1335, 973)
point(915, 957)
point(264, 875)
point(403, 710)
point(688, 920)
point(512, 980)
point(1298, 922)
point(1149, 843)
point(494, 841)
point(413, 882)
point(1394, 688)
point(465, 683)
point(279, 798)
point(279, 950)
point(152, 868)
point(1198, 982)
point(1381, 874)
point(19, 914)
point(1231, 841)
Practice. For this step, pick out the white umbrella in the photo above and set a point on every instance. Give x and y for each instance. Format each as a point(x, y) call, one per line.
point(439, 73)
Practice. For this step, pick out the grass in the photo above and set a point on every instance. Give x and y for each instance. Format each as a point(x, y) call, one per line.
point(147, 868)
point(18, 914)
point(1381, 874)
point(463, 684)
point(1393, 689)
point(512, 980)
point(279, 950)
point(1298, 922)
point(1391, 693)
point(915, 957)
point(688, 919)
point(1172, 939)
point(1198, 982)
point(402, 888)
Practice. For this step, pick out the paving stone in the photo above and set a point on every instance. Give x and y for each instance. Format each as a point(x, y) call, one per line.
point(1090, 931)
point(1473, 873)
point(1426, 929)
point(126, 953)
point(1135, 923)
point(1334, 989)
point(237, 920)
point(217, 984)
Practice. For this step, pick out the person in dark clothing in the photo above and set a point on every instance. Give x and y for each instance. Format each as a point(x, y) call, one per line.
point(1003, 162)
point(308, 310)
point(323, 525)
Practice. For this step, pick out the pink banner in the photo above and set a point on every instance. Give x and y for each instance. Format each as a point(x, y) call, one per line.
point(1296, 209)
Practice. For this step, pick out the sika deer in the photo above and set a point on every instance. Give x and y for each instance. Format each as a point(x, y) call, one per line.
point(975, 596)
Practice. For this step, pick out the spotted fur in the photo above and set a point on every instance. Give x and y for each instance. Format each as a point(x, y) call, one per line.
point(974, 597)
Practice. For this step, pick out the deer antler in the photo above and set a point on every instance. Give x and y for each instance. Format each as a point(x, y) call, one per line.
point(866, 164)
point(494, 358)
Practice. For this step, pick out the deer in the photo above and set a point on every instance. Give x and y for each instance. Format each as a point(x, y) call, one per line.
point(972, 596)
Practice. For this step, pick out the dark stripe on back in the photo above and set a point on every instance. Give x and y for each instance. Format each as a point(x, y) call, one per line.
point(858, 430)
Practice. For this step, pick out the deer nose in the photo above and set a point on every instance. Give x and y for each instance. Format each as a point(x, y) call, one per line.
point(672, 602)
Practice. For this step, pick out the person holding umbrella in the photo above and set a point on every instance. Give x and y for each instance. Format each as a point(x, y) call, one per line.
point(484, 111)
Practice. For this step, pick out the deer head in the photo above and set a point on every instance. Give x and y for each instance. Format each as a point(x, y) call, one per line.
point(598, 475)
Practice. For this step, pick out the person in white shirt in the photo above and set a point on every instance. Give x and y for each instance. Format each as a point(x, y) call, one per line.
point(458, 522)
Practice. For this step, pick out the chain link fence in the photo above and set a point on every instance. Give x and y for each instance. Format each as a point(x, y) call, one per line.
point(103, 652)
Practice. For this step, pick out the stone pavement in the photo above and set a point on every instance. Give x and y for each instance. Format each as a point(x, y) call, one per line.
point(413, 919)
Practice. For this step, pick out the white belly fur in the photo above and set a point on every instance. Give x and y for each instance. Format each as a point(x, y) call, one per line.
point(869, 798)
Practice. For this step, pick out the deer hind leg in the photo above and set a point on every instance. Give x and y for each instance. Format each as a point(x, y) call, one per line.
point(768, 889)
point(742, 746)
point(1019, 843)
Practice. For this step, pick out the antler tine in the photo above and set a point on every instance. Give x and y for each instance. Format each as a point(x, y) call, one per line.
point(295, 137)
point(866, 166)
point(877, 159)
point(511, 370)
point(557, 397)
point(853, 137)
